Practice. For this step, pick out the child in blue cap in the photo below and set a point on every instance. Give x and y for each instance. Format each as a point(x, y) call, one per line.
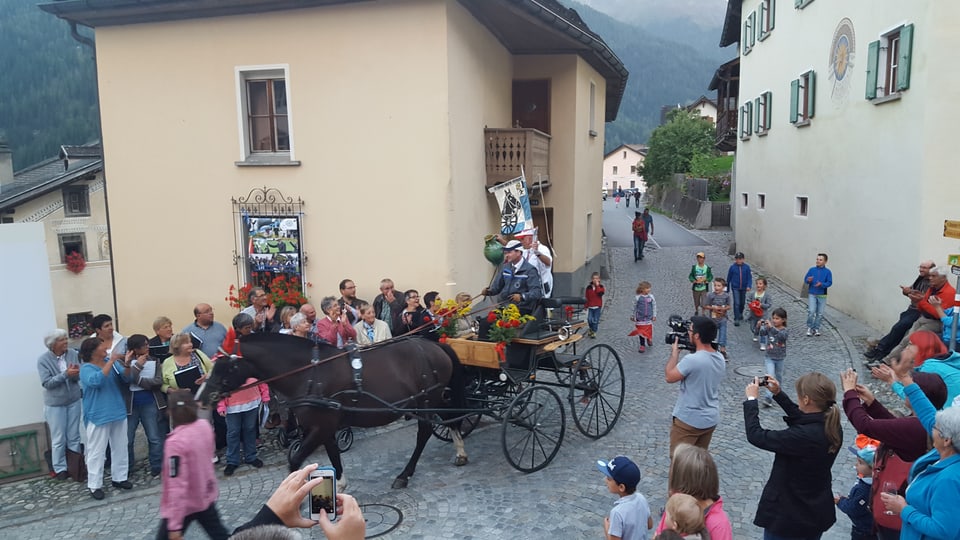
point(856, 505)
point(631, 510)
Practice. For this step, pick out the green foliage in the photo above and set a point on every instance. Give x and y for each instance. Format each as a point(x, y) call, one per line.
point(662, 72)
point(674, 145)
point(708, 166)
point(47, 87)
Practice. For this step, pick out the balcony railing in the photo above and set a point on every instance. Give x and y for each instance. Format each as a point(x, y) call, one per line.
point(510, 148)
point(727, 130)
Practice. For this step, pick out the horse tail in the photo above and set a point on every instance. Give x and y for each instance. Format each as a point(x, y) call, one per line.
point(457, 381)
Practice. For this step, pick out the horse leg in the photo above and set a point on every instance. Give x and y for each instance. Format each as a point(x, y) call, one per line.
point(462, 458)
point(333, 452)
point(310, 441)
point(424, 430)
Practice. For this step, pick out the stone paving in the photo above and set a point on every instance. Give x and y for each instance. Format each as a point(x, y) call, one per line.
point(488, 498)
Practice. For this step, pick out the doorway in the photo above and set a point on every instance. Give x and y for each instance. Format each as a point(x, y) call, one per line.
point(531, 104)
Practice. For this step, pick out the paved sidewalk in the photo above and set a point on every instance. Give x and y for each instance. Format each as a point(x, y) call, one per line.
point(488, 499)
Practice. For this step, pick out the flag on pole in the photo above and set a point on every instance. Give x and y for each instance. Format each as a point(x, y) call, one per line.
point(514, 204)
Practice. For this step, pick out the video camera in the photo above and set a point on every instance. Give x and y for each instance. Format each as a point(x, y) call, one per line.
point(680, 330)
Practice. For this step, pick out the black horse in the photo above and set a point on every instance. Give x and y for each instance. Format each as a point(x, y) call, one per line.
point(326, 393)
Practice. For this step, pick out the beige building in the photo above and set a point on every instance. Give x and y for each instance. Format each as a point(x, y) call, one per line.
point(705, 107)
point(845, 143)
point(342, 139)
point(621, 167)
point(66, 195)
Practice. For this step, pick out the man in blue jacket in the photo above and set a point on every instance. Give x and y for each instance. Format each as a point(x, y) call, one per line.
point(739, 282)
point(819, 279)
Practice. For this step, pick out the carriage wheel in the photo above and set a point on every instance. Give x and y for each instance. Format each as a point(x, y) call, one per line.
point(282, 438)
point(345, 438)
point(294, 448)
point(596, 391)
point(533, 428)
point(442, 431)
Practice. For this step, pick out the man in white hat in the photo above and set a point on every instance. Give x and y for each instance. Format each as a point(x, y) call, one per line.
point(517, 281)
point(539, 257)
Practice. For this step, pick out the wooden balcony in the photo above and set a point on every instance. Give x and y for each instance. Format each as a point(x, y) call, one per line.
point(508, 149)
point(727, 130)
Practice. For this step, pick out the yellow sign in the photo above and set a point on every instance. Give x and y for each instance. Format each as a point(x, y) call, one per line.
point(953, 259)
point(951, 229)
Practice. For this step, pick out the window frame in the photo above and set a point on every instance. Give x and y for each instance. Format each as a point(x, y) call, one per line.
point(767, 18)
point(763, 118)
point(803, 98)
point(801, 206)
point(889, 60)
point(64, 238)
point(592, 131)
point(244, 75)
point(761, 201)
point(615, 169)
point(83, 190)
point(746, 121)
point(744, 200)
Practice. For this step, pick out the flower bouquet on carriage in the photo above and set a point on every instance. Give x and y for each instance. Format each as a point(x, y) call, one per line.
point(505, 325)
point(450, 319)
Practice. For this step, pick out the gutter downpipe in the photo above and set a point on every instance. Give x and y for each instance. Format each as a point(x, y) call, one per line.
point(106, 199)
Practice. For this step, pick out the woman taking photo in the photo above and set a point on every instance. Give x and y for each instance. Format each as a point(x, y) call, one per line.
point(797, 500)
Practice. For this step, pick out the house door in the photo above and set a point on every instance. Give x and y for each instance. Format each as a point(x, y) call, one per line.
point(531, 104)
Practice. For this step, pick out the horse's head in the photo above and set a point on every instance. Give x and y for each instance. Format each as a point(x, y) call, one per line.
point(229, 373)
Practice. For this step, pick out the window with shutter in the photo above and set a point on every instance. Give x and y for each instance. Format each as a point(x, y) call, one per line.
point(888, 65)
point(267, 136)
point(763, 113)
point(803, 99)
point(765, 21)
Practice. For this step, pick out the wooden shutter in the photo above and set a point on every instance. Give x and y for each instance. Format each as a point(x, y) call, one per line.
point(761, 26)
point(753, 26)
point(772, 9)
point(756, 116)
point(743, 37)
point(748, 129)
point(811, 92)
point(906, 47)
point(873, 65)
point(768, 98)
point(794, 99)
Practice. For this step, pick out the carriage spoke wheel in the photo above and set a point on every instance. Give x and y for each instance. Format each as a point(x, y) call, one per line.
point(345, 438)
point(596, 391)
point(294, 448)
point(442, 431)
point(533, 428)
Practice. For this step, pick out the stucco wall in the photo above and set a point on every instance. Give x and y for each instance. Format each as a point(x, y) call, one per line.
point(874, 174)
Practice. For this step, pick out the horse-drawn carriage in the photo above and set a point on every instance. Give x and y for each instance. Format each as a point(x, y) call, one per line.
point(446, 388)
point(518, 388)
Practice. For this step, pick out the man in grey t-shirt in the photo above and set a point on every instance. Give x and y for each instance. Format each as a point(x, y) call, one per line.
point(700, 373)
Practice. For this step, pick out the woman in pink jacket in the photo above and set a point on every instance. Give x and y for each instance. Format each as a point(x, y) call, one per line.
point(189, 483)
point(242, 411)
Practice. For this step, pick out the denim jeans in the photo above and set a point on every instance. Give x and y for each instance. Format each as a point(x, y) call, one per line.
point(739, 298)
point(721, 331)
point(593, 318)
point(638, 245)
point(146, 415)
point(767, 535)
point(775, 368)
point(64, 425)
point(242, 427)
point(815, 306)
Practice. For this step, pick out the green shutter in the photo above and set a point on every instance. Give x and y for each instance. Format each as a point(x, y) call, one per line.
point(761, 27)
point(811, 92)
point(797, 3)
point(743, 37)
point(794, 99)
point(773, 10)
point(753, 25)
point(906, 47)
point(873, 65)
point(756, 115)
point(769, 115)
point(748, 107)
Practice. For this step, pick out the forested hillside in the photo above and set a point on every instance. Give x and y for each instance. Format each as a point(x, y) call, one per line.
point(662, 73)
point(47, 89)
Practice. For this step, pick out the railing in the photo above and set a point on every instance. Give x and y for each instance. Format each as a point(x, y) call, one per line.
point(727, 126)
point(509, 149)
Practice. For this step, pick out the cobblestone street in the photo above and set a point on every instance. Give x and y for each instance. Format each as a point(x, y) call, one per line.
point(488, 499)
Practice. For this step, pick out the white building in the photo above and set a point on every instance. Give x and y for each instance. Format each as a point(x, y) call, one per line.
point(846, 141)
point(621, 167)
point(705, 107)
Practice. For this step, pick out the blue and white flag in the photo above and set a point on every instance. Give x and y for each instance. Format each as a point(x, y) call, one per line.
point(514, 204)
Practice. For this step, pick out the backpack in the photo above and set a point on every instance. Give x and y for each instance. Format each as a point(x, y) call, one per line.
point(887, 467)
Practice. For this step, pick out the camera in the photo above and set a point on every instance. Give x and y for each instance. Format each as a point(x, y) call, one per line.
point(679, 330)
point(764, 381)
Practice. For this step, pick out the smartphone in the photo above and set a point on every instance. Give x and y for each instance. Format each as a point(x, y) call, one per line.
point(324, 495)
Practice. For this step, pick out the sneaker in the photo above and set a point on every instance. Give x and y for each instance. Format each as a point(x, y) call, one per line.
point(97, 494)
point(62, 475)
point(809, 332)
point(154, 474)
point(229, 470)
point(736, 323)
point(215, 459)
point(816, 333)
point(763, 347)
point(643, 349)
point(755, 338)
point(257, 463)
point(122, 485)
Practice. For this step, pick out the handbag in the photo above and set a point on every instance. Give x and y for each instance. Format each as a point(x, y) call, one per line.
point(756, 308)
point(887, 467)
point(76, 466)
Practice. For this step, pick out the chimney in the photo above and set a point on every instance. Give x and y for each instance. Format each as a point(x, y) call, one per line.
point(6, 164)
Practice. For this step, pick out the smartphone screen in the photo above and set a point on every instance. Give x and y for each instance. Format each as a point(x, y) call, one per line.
point(323, 495)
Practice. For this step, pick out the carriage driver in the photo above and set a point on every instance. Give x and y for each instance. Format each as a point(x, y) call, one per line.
point(517, 281)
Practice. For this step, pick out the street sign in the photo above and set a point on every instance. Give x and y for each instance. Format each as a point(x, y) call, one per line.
point(953, 259)
point(951, 229)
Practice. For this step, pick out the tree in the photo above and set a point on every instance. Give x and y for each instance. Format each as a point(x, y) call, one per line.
point(673, 145)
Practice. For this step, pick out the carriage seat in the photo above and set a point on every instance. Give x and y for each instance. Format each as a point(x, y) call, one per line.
point(561, 301)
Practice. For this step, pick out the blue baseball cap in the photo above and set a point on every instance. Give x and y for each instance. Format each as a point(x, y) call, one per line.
point(867, 453)
point(621, 470)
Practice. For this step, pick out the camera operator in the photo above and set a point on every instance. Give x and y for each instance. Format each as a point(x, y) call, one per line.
point(697, 411)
